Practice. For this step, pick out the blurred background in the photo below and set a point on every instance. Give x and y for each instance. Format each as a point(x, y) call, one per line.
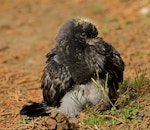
point(27, 33)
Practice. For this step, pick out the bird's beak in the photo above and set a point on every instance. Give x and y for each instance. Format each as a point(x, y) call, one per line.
point(92, 41)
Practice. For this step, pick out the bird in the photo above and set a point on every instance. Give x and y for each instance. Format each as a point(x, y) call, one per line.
point(80, 55)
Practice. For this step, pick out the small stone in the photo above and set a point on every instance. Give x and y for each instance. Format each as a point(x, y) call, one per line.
point(145, 10)
point(51, 124)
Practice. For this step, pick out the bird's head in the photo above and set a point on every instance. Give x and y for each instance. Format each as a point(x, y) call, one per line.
point(76, 32)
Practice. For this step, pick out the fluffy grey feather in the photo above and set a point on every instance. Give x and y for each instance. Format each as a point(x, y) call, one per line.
point(80, 97)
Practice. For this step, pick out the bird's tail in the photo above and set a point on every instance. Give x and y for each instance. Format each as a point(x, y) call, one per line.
point(35, 110)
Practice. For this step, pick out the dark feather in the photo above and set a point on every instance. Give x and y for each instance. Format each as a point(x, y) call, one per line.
point(56, 80)
point(34, 110)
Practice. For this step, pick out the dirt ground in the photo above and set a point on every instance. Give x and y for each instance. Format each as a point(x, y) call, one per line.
point(27, 33)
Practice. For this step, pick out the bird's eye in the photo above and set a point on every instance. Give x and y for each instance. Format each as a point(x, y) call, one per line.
point(93, 34)
point(83, 35)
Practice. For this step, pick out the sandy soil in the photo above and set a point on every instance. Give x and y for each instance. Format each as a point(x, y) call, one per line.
point(27, 32)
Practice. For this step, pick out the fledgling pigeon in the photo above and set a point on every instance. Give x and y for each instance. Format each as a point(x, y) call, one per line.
point(78, 56)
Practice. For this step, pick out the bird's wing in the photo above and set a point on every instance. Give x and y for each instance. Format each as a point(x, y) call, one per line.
point(102, 57)
point(114, 63)
point(105, 59)
point(56, 80)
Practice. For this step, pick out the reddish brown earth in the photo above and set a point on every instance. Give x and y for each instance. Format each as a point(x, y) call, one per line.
point(27, 32)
